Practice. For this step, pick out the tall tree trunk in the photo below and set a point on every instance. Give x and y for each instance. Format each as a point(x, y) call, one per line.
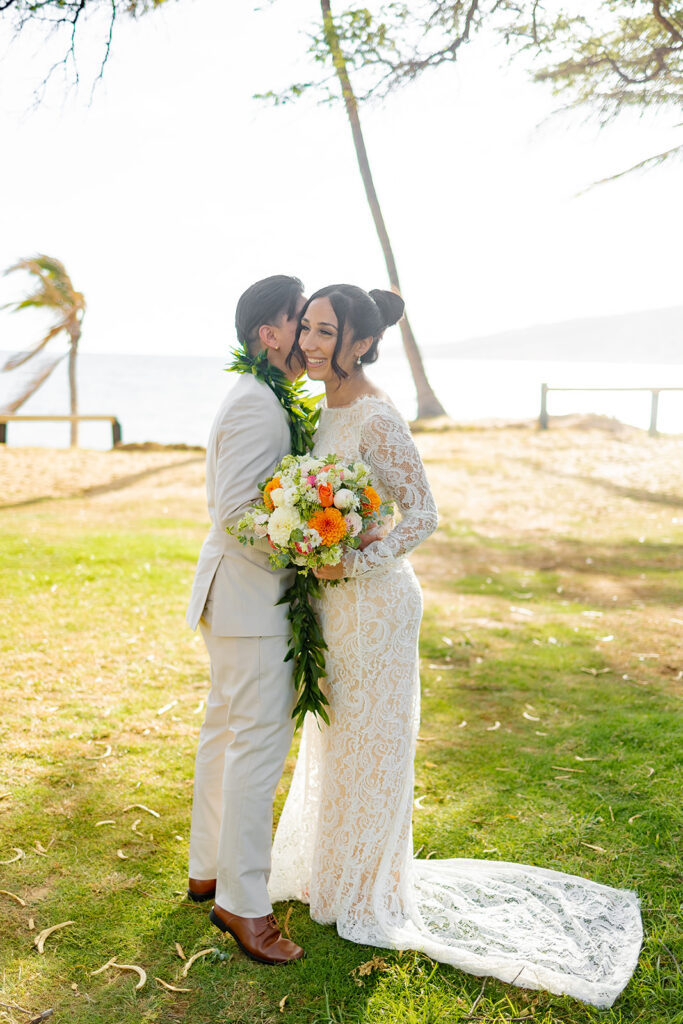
point(74, 335)
point(428, 404)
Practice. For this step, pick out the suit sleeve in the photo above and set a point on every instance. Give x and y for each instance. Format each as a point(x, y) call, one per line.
point(247, 443)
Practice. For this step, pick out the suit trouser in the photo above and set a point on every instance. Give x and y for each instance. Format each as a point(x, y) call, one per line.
point(243, 743)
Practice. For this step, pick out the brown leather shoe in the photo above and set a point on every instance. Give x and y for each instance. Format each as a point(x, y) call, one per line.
point(259, 937)
point(201, 890)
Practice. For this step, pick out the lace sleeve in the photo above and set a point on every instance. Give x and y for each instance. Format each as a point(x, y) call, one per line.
point(387, 446)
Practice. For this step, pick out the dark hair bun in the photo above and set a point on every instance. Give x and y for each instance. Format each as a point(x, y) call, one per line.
point(391, 305)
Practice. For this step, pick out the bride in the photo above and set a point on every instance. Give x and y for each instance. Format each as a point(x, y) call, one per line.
point(344, 839)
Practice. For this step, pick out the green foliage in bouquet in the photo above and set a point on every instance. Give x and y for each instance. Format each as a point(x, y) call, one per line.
point(307, 647)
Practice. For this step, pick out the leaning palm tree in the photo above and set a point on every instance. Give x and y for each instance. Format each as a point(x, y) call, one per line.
point(53, 291)
point(428, 405)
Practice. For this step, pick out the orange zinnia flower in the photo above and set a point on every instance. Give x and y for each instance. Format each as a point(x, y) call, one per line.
point(371, 498)
point(271, 486)
point(325, 495)
point(330, 525)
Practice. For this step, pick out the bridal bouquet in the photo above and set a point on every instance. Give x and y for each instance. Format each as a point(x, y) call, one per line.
point(312, 510)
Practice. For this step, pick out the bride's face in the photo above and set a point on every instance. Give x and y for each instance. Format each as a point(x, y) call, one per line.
point(318, 339)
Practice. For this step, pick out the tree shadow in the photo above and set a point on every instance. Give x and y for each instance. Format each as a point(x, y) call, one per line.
point(135, 910)
point(634, 493)
point(642, 571)
point(118, 484)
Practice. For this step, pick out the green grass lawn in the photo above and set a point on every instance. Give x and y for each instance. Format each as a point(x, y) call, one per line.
point(551, 734)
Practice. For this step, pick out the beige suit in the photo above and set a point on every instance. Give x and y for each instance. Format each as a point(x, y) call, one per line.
point(248, 728)
point(249, 436)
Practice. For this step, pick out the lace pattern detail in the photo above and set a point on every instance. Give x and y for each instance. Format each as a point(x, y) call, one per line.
point(344, 840)
point(383, 440)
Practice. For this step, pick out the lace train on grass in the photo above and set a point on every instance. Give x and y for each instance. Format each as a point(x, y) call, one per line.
point(344, 840)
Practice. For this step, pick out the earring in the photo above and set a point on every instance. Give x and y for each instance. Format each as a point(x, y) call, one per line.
point(358, 362)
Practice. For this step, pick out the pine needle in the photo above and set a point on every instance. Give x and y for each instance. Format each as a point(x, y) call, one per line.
point(103, 967)
point(132, 967)
point(12, 895)
point(142, 807)
point(99, 757)
point(20, 854)
point(40, 938)
point(172, 988)
point(202, 952)
point(285, 926)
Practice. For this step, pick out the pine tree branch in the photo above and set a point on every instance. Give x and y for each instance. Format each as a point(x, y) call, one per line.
point(664, 21)
point(650, 161)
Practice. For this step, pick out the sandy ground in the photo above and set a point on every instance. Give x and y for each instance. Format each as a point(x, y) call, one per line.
point(512, 473)
point(595, 508)
point(34, 474)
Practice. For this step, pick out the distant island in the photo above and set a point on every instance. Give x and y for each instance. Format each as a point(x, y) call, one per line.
point(649, 336)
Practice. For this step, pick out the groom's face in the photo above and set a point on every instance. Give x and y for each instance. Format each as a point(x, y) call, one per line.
point(285, 331)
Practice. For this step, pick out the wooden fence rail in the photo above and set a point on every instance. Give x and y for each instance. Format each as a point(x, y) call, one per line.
point(6, 418)
point(654, 404)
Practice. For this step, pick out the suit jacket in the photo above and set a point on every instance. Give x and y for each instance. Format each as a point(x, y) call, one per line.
point(249, 436)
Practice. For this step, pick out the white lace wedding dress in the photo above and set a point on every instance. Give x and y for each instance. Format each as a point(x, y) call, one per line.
point(344, 840)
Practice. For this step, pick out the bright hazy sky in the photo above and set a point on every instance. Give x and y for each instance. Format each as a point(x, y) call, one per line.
point(174, 189)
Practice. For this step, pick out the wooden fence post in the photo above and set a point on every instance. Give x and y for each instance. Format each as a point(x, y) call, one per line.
point(543, 418)
point(3, 432)
point(653, 413)
point(115, 433)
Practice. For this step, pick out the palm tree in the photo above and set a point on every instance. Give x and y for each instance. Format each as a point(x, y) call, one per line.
point(427, 403)
point(53, 291)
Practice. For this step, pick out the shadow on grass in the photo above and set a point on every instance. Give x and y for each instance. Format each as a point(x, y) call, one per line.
point(528, 813)
point(634, 493)
point(135, 910)
point(507, 794)
point(119, 484)
point(535, 569)
point(557, 768)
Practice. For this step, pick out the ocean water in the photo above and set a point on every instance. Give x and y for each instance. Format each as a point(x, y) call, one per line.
point(173, 399)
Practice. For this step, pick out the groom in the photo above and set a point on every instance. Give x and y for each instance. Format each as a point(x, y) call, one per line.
point(248, 727)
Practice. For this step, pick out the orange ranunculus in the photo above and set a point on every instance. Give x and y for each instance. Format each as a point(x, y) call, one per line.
point(371, 498)
point(330, 524)
point(271, 486)
point(325, 495)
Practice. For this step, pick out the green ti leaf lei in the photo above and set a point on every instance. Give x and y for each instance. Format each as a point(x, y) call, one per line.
point(307, 645)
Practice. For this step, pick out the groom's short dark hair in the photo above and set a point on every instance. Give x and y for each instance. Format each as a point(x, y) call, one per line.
point(264, 303)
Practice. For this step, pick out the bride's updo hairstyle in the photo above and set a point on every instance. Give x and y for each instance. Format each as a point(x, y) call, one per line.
point(368, 314)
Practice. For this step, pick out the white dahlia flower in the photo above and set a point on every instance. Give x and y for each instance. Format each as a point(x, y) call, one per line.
point(282, 521)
